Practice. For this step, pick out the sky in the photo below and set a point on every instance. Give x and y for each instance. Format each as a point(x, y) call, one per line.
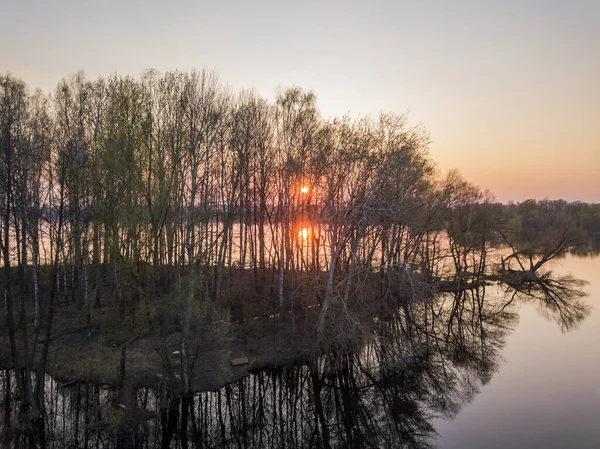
point(509, 91)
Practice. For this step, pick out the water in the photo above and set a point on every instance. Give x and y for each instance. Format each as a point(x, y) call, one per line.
point(480, 370)
point(546, 393)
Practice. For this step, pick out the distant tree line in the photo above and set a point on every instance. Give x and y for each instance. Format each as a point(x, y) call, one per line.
point(531, 218)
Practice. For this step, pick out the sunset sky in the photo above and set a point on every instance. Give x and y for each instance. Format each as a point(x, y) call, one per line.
point(509, 92)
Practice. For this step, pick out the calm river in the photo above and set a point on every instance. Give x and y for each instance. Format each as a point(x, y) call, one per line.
point(546, 393)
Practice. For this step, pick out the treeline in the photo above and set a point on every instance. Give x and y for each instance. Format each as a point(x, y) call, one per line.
point(121, 182)
point(530, 219)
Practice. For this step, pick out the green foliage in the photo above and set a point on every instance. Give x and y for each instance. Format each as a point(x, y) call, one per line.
point(533, 222)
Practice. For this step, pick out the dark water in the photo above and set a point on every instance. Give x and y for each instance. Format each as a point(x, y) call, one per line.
point(489, 368)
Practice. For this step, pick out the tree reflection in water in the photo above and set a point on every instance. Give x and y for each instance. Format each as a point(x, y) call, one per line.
point(428, 360)
point(558, 298)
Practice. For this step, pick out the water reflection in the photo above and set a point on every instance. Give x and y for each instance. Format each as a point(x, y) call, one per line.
point(590, 248)
point(558, 298)
point(427, 360)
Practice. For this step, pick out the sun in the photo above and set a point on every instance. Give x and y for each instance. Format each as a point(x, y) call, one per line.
point(304, 189)
point(303, 234)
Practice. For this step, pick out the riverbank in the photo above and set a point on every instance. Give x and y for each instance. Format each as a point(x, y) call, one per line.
point(85, 353)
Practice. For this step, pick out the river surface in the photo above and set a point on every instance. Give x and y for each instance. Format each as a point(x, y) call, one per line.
point(488, 368)
point(546, 393)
